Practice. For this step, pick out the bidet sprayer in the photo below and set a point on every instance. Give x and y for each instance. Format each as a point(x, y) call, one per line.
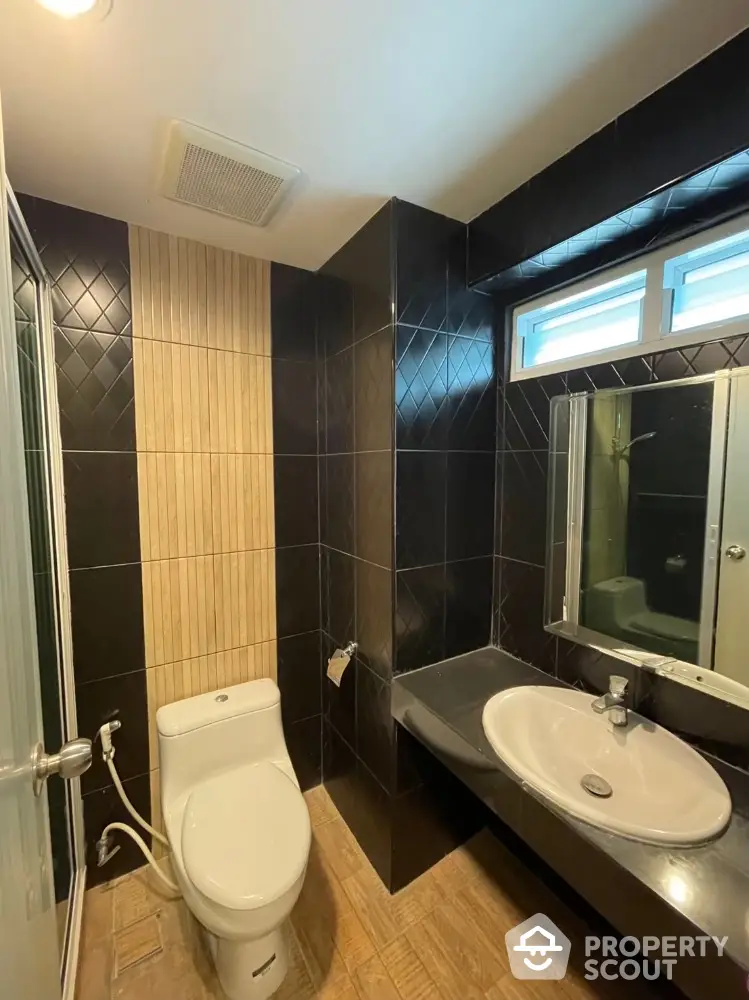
point(105, 735)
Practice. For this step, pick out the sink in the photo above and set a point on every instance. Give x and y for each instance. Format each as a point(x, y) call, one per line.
point(641, 781)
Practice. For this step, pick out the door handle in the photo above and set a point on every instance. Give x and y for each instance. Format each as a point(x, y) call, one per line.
point(72, 760)
point(735, 552)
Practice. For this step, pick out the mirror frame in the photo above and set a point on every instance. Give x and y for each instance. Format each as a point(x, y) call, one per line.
point(701, 677)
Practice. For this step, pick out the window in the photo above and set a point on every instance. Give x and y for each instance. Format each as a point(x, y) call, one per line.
point(606, 316)
point(709, 285)
point(690, 292)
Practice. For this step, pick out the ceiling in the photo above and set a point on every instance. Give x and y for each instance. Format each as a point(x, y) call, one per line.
point(449, 104)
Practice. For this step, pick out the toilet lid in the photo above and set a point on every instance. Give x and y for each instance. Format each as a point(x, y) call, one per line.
point(245, 836)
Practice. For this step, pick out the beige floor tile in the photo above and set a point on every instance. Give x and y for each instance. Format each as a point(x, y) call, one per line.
point(373, 982)
point(417, 900)
point(297, 985)
point(98, 915)
point(135, 943)
point(134, 899)
point(407, 971)
point(320, 805)
point(339, 848)
point(372, 902)
point(94, 980)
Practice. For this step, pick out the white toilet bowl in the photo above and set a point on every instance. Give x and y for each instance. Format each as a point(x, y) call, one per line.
point(238, 826)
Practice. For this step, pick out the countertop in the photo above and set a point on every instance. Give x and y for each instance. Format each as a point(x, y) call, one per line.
point(708, 885)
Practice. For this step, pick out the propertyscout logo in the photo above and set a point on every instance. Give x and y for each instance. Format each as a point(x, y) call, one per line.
point(538, 949)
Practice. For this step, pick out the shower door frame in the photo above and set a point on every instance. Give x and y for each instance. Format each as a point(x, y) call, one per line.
point(58, 546)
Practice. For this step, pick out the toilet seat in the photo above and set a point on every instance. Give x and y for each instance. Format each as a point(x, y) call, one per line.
point(245, 836)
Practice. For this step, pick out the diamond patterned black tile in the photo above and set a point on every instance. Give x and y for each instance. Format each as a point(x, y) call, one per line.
point(527, 411)
point(96, 391)
point(473, 395)
point(419, 617)
point(523, 533)
point(421, 388)
point(521, 615)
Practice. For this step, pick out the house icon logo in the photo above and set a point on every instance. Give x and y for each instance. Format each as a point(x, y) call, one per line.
point(537, 949)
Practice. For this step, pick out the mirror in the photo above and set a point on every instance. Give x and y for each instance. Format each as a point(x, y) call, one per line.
point(648, 526)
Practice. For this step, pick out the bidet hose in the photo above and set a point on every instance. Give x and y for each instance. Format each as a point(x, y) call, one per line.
point(128, 804)
point(142, 845)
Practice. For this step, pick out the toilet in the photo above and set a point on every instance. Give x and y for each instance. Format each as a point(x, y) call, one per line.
point(238, 827)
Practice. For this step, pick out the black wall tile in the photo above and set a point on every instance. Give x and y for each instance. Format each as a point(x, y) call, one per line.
point(339, 402)
point(337, 506)
point(339, 701)
point(524, 505)
point(101, 498)
point(470, 504)
point(297, 589)
point(106, 607)
point(294, 407)
point(527, 411)
point(338, 583)
point(361, 287)
point(420, 508)
point(299, 676)
point(103, 807)
point(371, 821)
point(304, 740)
point(295, 494)
point(293, 312)
point(468, 605)
point(95, 390)
point(662, 139)
point(419, 617)
point(373, 392)
point(335, 312)
point(374, 724)
point(422, 401)
point(339, 767)
point(123, 698)
point(374, 507)
point(473, 395)
point(521, 615)
point(423, 245)
point(374, 617)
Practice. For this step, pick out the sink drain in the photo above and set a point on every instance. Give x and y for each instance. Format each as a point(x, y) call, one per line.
point(594, 784)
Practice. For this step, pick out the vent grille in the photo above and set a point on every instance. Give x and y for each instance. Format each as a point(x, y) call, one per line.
point(217, 174)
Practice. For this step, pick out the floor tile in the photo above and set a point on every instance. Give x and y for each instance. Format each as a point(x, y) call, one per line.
point(320, 806)
point(373, 982)
point(407, 971)
point(136, 943)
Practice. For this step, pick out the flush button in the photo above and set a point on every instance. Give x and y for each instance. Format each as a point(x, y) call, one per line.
point(222, 697)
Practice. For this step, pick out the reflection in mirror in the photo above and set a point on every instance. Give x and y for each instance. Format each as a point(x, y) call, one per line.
point(648, 520)
point(647, 461)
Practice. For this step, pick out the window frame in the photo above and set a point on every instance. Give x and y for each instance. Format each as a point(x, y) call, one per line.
point(656, 335)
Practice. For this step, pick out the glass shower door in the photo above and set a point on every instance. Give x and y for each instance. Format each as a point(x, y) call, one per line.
point(29, 291)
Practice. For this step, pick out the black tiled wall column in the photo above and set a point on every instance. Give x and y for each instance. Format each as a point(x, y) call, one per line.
point(87, 259)
point(296, 492)
point(445, 399)
point(355, 291)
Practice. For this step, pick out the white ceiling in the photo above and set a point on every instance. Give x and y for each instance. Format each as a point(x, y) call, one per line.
point(447, 103)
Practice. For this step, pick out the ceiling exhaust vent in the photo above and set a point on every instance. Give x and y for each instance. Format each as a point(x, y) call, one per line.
point(208, 171)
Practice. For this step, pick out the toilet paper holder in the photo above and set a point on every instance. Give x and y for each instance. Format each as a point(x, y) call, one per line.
point(338, 662)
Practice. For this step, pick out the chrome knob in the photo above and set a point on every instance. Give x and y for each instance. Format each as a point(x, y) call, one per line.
point(73, 759)
point(735, 552)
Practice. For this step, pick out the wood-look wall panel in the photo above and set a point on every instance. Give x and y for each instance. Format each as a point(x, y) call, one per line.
point(202, 368)
point(170, 682)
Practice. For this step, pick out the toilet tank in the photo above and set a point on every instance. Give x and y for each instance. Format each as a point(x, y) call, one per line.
point(215, 732)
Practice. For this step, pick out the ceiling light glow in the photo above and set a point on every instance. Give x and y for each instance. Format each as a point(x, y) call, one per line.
point(69, 8)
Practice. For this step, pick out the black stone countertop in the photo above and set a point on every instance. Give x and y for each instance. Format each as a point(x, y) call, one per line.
point(641, 889)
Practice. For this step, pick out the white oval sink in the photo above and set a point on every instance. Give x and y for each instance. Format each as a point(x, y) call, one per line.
point(661, 790)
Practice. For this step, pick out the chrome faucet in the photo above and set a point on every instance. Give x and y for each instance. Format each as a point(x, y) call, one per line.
point(613, 701)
